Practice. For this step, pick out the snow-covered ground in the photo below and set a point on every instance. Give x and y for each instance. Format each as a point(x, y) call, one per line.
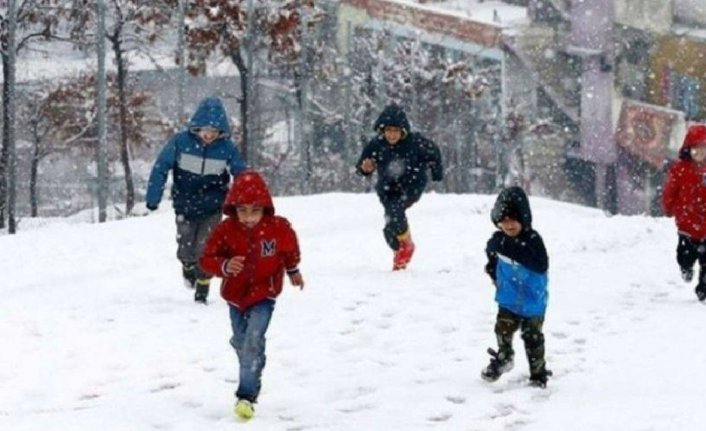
point(98, 332)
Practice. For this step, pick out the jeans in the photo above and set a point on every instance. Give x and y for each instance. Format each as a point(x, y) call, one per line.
point(248, 340)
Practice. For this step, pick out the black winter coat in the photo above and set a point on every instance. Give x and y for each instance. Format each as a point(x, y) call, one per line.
point(527, 248)
point(402, 168)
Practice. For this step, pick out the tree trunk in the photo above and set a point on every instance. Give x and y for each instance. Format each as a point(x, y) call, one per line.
point(237, 58)
point(34, 169)
point(5, 152)
point(124, 150)
point(10, 116)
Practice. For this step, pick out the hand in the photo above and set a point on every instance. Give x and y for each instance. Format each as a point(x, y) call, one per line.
point(367, 166)
point(235, 265)
point(151, 207)
point(297, 280)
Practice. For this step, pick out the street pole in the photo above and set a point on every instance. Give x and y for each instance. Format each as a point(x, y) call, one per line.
point(11, 104)
point(102, 150)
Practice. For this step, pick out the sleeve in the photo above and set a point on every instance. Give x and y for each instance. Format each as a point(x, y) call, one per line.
point(369, 152)
point(491, 251)
point(433, 159)
point(235, 163)
point(289, 250)
point(670, 192)
point(215, 253)
point(160, 171)
point(534, 254)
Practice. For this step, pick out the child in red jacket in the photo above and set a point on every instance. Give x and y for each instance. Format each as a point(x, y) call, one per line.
point(251, 250)
point(684, 198)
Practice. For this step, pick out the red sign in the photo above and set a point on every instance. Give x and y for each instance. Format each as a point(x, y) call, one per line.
point(645, 130)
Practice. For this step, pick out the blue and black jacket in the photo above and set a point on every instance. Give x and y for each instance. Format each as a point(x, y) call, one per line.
point(201, 173)
point(402, 168)
point(518, 265)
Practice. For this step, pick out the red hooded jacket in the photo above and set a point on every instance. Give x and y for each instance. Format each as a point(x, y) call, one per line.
point(270, 248)
point(684, 193)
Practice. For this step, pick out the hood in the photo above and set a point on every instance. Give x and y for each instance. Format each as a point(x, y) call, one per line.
point(393, 115)
point(249, 188)
point(695, 136)
point(211, 113)
point(512, 202)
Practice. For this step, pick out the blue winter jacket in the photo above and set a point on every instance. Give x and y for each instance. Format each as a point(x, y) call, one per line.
point(201, 173)
point(518, 265)
point(519, 289)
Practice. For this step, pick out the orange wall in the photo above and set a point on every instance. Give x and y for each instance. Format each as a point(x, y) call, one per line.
point(681, 55)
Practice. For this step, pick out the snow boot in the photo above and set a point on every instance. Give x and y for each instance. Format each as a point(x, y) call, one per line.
point(244, 409)
point(188, 271)
point(201, 294)
point(403, 255)
point(701, 291)
point(499, 364)
point(539, 379)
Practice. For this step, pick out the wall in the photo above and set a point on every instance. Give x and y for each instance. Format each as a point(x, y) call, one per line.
point(676, 54)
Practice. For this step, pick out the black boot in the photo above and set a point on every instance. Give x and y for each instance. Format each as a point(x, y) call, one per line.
point(499, 363)
point(701, 291)
point(539, 378)
point(188, 271)
point(201, 294)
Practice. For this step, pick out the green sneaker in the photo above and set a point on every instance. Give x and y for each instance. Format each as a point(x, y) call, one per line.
point(244, 409)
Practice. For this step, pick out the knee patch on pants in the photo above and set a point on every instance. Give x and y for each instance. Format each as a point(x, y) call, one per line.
point(533, 339)
point(505, 327)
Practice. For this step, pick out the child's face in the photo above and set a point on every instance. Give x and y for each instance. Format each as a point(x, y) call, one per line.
point(249, 215)
point(392, 134)
point(698, 153)
point(208, 134)
point(510, 227)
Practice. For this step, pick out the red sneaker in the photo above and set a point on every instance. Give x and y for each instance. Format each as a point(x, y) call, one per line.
point(403, 254)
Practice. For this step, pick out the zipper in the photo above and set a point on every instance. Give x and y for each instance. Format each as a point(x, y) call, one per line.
point(203, 159)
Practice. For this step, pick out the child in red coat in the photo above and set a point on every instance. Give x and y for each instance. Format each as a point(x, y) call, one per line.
point(251, 250)
point(684, 198)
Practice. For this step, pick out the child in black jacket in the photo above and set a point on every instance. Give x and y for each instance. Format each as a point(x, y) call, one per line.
point(517, 264)
point(401, 158)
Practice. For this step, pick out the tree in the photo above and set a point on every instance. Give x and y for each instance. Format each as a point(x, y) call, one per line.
point(133, 25)
point(240, 30)
point(34, 20)
point(63, 116)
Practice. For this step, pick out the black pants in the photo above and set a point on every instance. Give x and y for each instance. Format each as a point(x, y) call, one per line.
point(395, 205)
point(688, 252)
point(507, 323)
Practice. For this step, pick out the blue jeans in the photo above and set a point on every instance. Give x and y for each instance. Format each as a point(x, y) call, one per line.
point(248, 340)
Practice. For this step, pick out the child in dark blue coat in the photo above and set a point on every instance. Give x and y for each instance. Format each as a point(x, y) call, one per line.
point(401, 158)
point(517, 264)
point(202, 160)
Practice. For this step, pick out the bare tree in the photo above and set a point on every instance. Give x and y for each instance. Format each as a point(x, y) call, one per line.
point(30, 21)
point(239, 30)
point(63, 116)
point(132, 24)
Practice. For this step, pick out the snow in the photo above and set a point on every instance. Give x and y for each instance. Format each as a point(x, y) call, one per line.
point(487, 11)
point(99, 333)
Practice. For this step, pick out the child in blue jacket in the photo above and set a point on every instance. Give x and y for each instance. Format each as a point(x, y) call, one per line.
point(202, 160)
point(517, 264)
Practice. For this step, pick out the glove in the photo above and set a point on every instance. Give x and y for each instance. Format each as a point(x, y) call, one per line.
point(151, 207)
